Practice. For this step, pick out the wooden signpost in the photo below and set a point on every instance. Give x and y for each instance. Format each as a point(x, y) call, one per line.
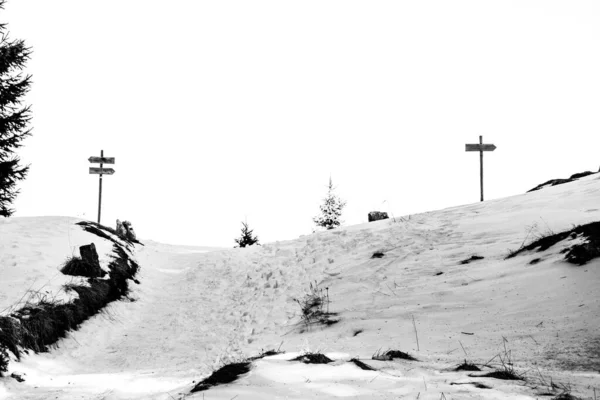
point(101, 171)
point(480, 147)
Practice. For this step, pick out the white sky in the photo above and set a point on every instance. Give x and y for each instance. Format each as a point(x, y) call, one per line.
point(218, 111)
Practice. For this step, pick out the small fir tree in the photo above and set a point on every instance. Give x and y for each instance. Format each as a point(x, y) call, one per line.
point(14, 118)
point(246, 239)
point(331, 210)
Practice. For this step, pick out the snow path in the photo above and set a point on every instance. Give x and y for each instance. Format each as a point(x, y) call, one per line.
point(176, 324)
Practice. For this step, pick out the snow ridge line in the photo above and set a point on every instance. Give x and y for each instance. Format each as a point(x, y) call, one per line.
point(37, 326)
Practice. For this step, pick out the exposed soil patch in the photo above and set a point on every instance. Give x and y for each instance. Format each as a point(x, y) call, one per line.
point(566, 396)
point(393, 354)
point(551, 182)
point(554, 182)
point(313, 358)
point(581, 174)
point(226, 374)
point(357, 332)
point(578, 254)
point(266, 354)
point(362, 365)
point(467, 367)
point(476, 384)
point(472, 258)
point(505, 375)
point(17, 377)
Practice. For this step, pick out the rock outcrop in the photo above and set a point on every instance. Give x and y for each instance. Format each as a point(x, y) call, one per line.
point(377, 215)
point(129, 232)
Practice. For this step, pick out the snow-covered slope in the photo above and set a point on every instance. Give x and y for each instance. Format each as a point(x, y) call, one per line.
point(32, 251)
point(194, 312)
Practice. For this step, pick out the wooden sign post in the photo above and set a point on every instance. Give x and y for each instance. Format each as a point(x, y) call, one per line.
point(101, 171)
point(480, 147)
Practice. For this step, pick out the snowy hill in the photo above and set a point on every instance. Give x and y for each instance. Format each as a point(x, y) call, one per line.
point(422, 294)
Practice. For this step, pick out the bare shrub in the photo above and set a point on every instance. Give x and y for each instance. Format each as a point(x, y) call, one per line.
point(315, 307)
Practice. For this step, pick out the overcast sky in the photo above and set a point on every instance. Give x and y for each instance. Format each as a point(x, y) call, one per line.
point(223, 111)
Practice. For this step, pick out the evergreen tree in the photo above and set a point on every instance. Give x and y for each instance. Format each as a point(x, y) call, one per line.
point(331, 210)
point(246, 239)
point(14, 118)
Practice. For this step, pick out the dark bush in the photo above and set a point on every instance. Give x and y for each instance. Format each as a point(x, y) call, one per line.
point(3, 361)
point(225, 374)
point(75, 266)
point(10, 333)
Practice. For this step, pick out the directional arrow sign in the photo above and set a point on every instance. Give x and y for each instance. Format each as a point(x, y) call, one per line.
point(102, 171)
point(480, 147)
point(102, 160)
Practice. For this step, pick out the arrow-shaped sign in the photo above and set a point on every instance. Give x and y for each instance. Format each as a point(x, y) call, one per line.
point(480, 147)
point(102, 171)
point(102, 160)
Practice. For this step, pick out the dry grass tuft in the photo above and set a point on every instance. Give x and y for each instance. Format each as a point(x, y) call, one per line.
point(390, 355)
point(505, 368)
point(267, 353)
point(315, 307)
point(478, 385)
point(467, 366)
